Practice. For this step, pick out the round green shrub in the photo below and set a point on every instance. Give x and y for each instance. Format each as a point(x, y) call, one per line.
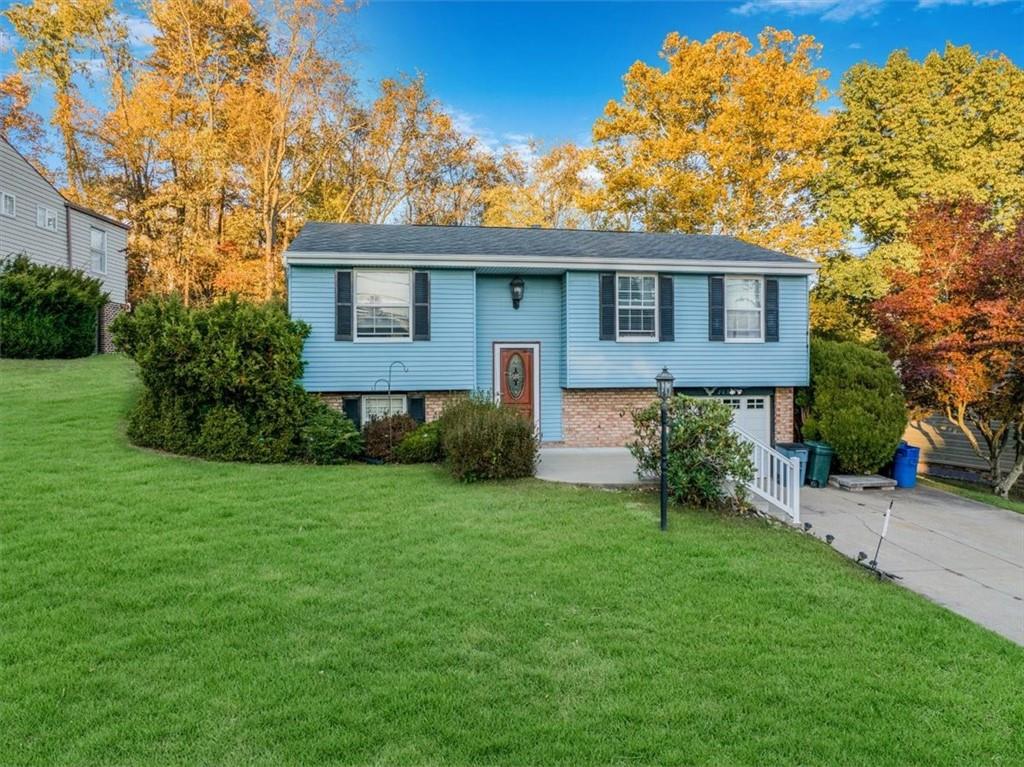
point(422, 445)
point(47, 312)
point(481, 440)
point(707, 461)
point(382, 436)
point(328, 436)
point(855, 403)
point(221, 382)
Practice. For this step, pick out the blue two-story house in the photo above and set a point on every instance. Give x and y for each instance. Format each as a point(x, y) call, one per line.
point(568, 326)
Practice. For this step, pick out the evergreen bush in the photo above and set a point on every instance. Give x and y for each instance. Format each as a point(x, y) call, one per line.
point(707, 461)
point(422, 445)
point(855, 403)
point(221, 382)
point(47, 312)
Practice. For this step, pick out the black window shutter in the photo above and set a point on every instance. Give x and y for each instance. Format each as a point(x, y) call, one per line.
point(716, 308)
point(666, 308)
point(418, 409)
point(607, 303)
point(343, 306)
point(421, 307)
point(352, 408)
point(771, 310)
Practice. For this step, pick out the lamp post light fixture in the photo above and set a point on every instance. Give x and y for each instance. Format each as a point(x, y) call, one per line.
point(665, 382)
point(518, 288)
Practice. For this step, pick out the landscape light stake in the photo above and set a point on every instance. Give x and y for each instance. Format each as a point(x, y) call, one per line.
point(664, 381)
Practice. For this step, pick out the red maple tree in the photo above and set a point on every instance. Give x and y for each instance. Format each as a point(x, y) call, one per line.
point(954, 326)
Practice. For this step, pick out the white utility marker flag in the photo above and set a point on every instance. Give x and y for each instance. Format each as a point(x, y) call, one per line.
point(885, 525)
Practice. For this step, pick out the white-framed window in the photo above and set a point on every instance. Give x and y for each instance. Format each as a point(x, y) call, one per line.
point(636, 306)
point(382, 405)
point(755, 403)
point(383, 305)
point(744, 309)
point(46, 218)
point(8, 204)
point(98, 249)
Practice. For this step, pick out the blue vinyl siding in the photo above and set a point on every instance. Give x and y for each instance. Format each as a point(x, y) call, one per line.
point(538, 319)
point(445, 362)
point(695, 361)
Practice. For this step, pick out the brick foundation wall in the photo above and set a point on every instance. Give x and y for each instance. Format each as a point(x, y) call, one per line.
point(784, 415)
point(436, 400)
point(601, 417)
point(105, 344)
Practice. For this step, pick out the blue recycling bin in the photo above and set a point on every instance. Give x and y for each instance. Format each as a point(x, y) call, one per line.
point(904, 465)
point(796, 450)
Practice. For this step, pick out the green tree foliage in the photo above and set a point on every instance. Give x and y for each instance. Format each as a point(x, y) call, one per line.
point(221, 382)
point(47, 311)
point(705, 456)
point(855, 403)
point(949, 127)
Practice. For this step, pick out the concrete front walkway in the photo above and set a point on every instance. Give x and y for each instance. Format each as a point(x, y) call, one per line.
point(966, 556)
point(597, 466)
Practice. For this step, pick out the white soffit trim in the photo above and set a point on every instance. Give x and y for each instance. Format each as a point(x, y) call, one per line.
point(582, 263)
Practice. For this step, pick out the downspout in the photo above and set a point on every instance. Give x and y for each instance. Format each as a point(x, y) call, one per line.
point(67, 233)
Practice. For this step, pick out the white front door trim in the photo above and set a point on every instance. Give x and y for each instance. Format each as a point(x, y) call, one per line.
point(533, 346)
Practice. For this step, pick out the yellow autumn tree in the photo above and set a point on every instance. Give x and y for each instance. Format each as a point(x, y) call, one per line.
point(726, 137)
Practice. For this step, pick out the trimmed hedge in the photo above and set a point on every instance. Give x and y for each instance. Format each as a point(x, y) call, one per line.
point(221, 382)
point(855, 403)
point(706, 459)
point(47, 312)
point(481, 440)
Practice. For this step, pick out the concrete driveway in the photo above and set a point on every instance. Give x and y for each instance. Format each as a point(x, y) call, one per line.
point(966, 556)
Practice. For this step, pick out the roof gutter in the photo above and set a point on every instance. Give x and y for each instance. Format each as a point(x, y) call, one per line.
point(581, 263)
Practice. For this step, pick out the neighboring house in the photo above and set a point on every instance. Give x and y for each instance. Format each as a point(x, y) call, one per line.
point(37, 221)
point(945, 450)
point(600, 314)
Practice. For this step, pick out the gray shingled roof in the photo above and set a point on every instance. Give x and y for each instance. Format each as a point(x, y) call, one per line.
point(324, 238)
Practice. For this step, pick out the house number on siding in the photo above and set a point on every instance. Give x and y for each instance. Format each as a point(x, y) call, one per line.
point(515, 376)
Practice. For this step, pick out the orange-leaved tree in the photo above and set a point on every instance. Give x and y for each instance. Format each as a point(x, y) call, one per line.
point(954, 326)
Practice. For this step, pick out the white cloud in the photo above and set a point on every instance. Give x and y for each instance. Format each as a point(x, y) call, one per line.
point(518, 143)
point(830, 10)
point(8, 41)
point(937, 3)
point(854, 46)
point(840, 10)
point(141, 31)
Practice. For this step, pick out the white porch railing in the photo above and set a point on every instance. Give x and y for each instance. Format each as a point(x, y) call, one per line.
point(776, 477)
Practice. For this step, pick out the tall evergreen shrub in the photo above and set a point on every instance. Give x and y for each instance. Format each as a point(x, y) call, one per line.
point(855, 403)
point(221, 382)
point(47, 311)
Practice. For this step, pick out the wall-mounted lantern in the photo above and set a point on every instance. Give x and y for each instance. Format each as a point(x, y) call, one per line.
point(518, 288)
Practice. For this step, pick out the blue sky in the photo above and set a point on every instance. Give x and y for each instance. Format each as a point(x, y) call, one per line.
point(511, 70)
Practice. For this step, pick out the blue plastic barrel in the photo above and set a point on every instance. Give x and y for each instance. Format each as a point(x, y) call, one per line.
point(904, 465)
point(796, 450)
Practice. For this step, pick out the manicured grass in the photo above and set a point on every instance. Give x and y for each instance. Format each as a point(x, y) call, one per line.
point(977, 492)
point(163, 610)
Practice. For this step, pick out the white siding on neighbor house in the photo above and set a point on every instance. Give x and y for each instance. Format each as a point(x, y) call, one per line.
point(81, 254)
point(20, 234)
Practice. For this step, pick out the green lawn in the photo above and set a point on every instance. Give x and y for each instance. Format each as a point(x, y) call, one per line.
point(977, 492)
point(162, 610)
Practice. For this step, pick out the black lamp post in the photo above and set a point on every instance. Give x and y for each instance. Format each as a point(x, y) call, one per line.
point(518, 287)
point(665, 380)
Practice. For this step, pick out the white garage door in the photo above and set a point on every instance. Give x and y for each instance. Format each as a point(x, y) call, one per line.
point(752, 415)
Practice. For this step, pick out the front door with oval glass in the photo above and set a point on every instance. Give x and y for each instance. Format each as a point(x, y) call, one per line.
point(515, 371)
